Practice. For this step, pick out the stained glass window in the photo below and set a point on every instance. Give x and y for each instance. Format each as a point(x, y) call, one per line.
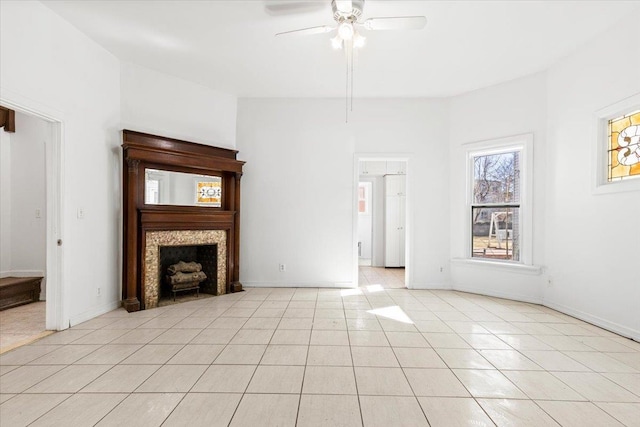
point(624, 146)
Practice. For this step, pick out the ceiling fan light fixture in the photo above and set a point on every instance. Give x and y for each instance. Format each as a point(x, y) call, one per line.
point(336, 42)
point(346, 31)
point(359, 40)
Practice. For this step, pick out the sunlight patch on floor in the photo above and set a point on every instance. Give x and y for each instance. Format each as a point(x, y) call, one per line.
point(392, 312)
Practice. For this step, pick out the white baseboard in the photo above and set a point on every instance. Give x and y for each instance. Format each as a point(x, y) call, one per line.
point(21, 273)
point(88, 315)
point(595, 320)
point(332, 285)
point(429, 286)
point(498, 294)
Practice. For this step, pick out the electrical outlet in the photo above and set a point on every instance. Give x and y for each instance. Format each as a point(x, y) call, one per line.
point(282, 267)
point(80, 213)
point(38, 213)
point(441, 269)
point(98, 291)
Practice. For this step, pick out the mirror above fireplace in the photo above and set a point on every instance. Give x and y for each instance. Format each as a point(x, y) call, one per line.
point(163, 187)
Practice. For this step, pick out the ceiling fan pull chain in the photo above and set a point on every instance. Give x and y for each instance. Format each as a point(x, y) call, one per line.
point(353, 53)
point(346, 93)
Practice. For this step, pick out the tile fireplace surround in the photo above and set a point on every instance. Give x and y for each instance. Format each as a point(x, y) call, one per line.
point(157, 239)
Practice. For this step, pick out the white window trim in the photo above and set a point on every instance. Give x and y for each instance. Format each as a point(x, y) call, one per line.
point(524, 143)
point(600, 159)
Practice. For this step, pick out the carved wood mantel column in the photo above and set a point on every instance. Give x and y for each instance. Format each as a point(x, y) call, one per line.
point(143, 151)
point(235, 280)
point(131, 301)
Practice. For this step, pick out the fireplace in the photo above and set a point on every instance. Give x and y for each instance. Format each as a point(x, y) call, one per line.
point(178, 193)
point(164, 248)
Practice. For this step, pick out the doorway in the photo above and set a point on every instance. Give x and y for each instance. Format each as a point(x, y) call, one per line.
point(30, 222)
point(381, 222)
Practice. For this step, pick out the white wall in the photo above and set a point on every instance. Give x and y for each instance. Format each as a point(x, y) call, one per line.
point(160, 104)
point(27, 232)
point(298, 187)
point(511, 108)
point(593, 251)
point(48, 65)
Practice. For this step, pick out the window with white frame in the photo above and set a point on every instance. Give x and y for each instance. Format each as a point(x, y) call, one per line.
point(498, 200)
point(623, 148)
point(617, 148)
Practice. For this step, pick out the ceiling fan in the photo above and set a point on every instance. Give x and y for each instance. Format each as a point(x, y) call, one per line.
point(348, 15)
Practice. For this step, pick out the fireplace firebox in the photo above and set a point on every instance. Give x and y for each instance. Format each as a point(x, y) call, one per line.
point(205, 255)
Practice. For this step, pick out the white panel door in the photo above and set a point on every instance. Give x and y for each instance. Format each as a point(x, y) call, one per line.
point(372, 167)
point(394, 185)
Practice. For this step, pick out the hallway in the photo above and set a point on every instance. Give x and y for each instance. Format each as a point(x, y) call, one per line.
point(389, 278)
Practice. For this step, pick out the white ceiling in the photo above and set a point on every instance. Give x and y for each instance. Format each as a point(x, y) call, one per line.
point(230, 45)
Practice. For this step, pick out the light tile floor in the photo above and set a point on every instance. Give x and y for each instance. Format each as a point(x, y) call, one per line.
point(388, 278)
point(22, 324)
point(310, 357)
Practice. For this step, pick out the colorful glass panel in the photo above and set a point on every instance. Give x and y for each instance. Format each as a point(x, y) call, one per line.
point(624, 146)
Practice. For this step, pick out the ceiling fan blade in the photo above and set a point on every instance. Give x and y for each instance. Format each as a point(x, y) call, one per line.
point(396, 23)
point(307, 31)
point(282, 7)
point(344, 6)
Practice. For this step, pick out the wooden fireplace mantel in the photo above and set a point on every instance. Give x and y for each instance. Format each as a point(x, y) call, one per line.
point(143, 151)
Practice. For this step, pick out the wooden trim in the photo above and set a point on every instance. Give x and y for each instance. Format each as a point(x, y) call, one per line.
point(143, 151)
point(7, 119)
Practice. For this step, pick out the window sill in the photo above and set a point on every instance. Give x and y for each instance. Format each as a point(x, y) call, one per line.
point(506, 266)
point(618, 186)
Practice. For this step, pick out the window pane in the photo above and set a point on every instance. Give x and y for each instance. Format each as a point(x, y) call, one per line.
point(364, 196)
point(495, 233)
point(496, 178)
point(624, 146)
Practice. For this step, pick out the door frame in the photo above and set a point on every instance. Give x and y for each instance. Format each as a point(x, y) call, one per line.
point(57, 314)
point(383, 157)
